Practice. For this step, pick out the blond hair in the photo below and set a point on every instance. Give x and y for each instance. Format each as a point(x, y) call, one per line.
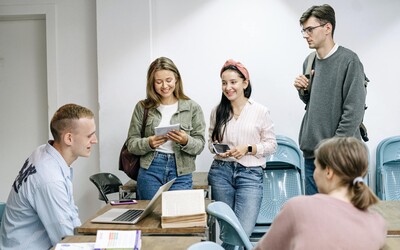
point(64, 118)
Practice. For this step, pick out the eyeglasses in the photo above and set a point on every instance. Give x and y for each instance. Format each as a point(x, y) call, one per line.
point(309, 30)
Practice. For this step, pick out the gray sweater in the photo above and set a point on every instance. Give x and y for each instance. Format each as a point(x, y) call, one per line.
point(336, 102)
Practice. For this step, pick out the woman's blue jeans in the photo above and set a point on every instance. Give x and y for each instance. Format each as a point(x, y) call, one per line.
point(241, 188)
point(161, 170)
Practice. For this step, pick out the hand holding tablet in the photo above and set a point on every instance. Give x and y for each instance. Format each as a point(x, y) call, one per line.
point(163, 130)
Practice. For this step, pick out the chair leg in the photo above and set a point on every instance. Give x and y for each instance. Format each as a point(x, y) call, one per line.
point(212, 228)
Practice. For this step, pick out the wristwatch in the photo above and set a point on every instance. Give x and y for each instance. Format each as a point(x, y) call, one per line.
point(249, 149)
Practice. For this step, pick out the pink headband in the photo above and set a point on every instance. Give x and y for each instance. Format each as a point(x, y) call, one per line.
point(238, 65)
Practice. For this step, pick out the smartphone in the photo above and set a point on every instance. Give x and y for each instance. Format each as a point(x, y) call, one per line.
point(123, 202)
point(220, 148)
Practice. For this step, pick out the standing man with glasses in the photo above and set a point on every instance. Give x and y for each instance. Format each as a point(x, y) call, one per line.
point(335, 104)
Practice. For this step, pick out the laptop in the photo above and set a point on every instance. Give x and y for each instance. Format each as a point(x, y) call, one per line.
point(132, 216)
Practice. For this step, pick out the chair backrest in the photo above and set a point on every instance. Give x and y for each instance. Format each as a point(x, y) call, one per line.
point(279, 185)
point(284, 172)
point(2, 208)
point(231, 231)
point(388, 169)
point(283, 179)
point(205, 245)
point(287, 154)
point(106, 183)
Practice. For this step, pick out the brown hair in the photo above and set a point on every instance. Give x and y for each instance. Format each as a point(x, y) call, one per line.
point(324, 13)
point(63, 119)
point(348, 159)
point(162, 63)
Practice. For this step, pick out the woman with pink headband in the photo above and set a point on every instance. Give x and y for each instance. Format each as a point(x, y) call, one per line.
point(236, 175)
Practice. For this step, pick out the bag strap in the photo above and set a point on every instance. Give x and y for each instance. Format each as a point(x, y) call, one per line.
point(310, 61)
point(145, 115)
point(307, 73)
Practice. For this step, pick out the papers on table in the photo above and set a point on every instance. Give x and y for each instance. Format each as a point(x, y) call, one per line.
point(163, 130)
point(108, 239)
point(75, 246)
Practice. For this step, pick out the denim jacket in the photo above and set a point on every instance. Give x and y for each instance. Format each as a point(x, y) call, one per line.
point(191, 119)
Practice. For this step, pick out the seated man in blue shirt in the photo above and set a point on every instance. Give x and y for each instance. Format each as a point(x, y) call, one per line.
point(40, 208)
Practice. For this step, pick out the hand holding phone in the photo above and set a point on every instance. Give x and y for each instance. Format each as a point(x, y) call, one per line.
point(123, 202)
point(220, 148)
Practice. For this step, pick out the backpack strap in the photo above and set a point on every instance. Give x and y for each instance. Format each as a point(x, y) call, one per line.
point(307, 73)
point(310, 61)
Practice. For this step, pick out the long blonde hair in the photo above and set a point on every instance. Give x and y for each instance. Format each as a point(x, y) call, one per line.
point(348, 159)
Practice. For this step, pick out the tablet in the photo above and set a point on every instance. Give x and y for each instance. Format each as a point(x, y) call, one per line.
point(220, 148)
point(163, 130)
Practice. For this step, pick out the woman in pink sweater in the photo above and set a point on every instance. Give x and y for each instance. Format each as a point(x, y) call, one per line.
point(338, 217)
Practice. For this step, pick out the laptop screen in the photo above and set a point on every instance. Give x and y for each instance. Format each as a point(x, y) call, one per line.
point(111, 215)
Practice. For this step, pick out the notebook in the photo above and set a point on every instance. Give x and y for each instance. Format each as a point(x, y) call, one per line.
point(132, 216)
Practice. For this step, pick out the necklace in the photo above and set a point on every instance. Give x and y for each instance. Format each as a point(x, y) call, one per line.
point(237, 113)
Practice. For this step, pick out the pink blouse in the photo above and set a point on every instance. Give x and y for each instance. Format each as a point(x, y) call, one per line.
point(253, 126)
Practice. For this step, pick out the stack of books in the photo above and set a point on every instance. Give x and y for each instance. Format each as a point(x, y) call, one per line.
point(183, 208)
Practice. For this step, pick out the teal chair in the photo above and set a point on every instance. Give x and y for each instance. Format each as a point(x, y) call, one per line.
point(2, 207)
point(231, 231)
point(205, 245)
point(283, 178)
point(388, 169)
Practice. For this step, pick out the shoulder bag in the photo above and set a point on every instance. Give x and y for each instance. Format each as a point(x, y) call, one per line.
point(130, 163)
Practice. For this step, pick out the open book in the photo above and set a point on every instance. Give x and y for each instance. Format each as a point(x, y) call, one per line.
point(118, 240)
point(183, 208)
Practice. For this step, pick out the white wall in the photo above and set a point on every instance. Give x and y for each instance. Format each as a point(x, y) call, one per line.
point(23, 80)
point(103, 49)
point(77, 83)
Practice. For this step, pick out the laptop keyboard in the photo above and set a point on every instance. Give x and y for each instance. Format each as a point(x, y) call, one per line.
point(129, 215)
